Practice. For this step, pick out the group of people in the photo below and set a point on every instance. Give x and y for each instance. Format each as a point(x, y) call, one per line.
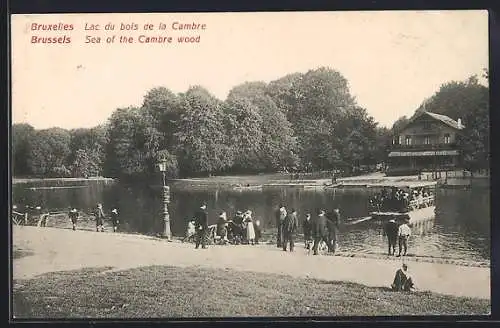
point(396, 199)
point(322, 228)
point(397, 233)
point(242, 229)
point(99, 216)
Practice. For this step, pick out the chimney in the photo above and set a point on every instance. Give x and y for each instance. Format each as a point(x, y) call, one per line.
point(459, 123)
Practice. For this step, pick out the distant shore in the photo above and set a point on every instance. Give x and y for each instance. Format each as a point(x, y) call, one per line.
point(29, 180)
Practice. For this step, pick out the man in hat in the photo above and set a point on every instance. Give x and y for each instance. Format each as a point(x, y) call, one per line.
point(73, 216)
point(320, 232)
point(391, 231)
point(114, 219)
point(201, 225)
point(404, 233)
point(290, 225)
point(99, 217)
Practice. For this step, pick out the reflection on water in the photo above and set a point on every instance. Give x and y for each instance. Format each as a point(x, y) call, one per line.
point(460, 230)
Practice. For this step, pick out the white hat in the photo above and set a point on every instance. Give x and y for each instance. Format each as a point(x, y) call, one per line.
point(73, 210)
point(114, 211)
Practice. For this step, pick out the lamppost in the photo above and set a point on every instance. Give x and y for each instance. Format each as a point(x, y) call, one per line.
point(166, 200)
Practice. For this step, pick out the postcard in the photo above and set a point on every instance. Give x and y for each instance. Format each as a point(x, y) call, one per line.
point(250, 164)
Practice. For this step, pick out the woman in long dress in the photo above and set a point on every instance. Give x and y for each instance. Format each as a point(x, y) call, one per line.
point(250, 228)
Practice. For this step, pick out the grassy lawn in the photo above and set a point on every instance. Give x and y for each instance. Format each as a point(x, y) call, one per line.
point(160, 291)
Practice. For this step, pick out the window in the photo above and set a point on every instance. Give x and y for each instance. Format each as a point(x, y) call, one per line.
point(447, 138)
point(427, 126)
point(427, 140)
point(400, 140)
point(408, 140)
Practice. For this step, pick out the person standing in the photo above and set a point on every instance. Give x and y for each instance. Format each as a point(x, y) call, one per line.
point(307, 230)
point(99, 218)
point(73, 215)
point(280, 217)
point(258, 231)
point(114, 219)
point(320, 232)
point(201, 224)
point(404, 233)
point(250, 229)
point(290, 225)
point(221, 227)
point(333, 222)
point(391, 231)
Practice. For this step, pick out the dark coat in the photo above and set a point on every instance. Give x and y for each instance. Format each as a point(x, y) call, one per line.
point(307, 228)
point(391, 230)
point(290, 224)
point(201, 220)
point(332, 223)
point(319, 228)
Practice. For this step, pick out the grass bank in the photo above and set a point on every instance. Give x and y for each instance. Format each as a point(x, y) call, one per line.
point(162, 291)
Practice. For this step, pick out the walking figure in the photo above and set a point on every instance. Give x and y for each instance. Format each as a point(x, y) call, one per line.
point(201, 225)
point(99, 217)
point(73, 216)
point(114, 218)
point(320, 232)
point(290, 226)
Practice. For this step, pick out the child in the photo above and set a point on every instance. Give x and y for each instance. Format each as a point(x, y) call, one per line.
point(114, 219)
point(73, 215)
point(190, 232)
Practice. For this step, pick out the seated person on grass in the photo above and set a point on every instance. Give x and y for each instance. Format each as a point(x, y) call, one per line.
point(402, 280)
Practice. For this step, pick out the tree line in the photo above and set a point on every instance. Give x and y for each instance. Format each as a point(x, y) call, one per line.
point(300, 122)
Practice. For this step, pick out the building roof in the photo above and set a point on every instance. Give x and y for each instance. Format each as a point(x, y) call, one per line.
point(443, 118)
point(447, 120)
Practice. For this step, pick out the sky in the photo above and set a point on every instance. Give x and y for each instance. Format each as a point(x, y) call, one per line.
point(393, 60)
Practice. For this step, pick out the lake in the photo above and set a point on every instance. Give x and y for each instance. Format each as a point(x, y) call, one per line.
point(461, 229)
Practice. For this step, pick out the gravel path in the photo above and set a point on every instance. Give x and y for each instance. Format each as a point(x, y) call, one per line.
point(60, 250)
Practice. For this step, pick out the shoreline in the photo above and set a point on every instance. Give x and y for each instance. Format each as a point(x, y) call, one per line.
point(30, 180)
point(62, 250)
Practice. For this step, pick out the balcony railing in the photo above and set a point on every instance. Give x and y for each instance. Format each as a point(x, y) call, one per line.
point(425, 147)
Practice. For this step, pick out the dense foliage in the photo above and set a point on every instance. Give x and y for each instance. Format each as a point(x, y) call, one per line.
point(300, 122)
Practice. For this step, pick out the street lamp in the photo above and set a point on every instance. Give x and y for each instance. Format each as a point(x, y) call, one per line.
point(166, 200)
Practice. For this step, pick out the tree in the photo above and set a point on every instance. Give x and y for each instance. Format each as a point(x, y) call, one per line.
point(245, 134)
point(321, 100)
point(164, 108)
point(277, 147)
point(21, 136)
point(49, 149)
point(202, 143)
point(86, 163)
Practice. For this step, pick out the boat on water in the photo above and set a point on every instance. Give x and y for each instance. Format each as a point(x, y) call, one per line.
point(247, 187)
point(404, 201)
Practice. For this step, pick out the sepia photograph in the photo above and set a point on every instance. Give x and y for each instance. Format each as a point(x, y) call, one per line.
point(250, 164)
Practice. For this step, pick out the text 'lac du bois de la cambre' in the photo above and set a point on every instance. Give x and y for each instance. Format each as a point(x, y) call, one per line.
point(57, 28)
